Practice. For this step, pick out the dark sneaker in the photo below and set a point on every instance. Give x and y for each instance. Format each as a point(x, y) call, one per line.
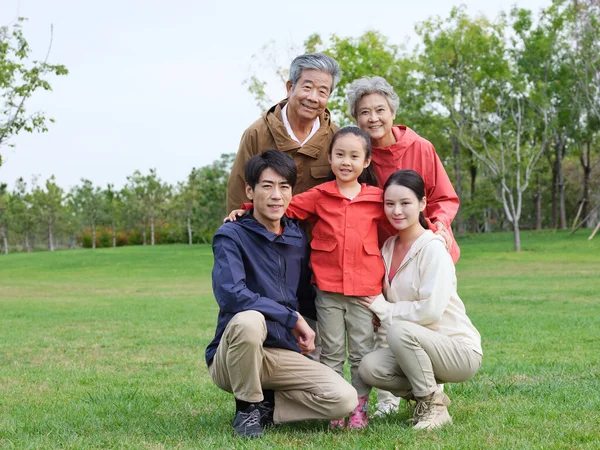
point(266, 410)
point(247, 423)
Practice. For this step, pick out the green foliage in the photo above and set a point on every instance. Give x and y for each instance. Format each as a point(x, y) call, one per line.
point(104, 349)
point(19, 79)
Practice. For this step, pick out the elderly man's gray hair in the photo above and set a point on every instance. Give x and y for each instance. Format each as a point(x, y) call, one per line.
point(315, 61)
point(371, 85)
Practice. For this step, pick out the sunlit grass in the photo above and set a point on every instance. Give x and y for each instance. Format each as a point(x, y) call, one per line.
point(105, 349)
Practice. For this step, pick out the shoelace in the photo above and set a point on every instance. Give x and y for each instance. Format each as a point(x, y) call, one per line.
point(423, 410)
point(252, 419)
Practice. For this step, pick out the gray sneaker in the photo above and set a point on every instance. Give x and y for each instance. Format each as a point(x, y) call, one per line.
point(247, 423)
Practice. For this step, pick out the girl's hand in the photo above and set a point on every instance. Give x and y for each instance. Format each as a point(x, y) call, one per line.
point(376, 323)
point(232, 217)
point(366, 301)
point(443, 232)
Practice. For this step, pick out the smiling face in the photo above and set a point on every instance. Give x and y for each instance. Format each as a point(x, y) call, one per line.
point(271, 197)
point(402, 207)
point(348, 158)
point(373, 115)
point(308, 98)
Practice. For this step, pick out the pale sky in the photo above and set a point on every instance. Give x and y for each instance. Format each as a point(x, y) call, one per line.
point(158, 84)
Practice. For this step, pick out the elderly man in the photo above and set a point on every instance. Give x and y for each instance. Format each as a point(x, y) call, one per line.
point(299, 126)
point(259, 264)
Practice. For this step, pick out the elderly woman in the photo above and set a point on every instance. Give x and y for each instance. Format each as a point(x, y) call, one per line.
point(373, 104)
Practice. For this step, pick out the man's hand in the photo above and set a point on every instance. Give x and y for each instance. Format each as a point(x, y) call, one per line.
point(305, 335)
point(232, 217)
point(443, 232)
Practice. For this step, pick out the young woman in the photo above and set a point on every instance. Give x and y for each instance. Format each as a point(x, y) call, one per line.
point(431, 340)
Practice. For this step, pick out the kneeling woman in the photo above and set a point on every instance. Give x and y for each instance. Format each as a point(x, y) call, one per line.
point(431, 339)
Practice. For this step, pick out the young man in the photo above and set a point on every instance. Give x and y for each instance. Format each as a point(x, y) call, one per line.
point(259, 265)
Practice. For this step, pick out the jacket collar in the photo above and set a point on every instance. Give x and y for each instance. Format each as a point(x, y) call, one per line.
point(315, 145)
point(291, 235)
point(367, 192)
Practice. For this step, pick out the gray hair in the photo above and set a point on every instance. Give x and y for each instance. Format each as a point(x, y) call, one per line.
point(315, 61)
point(371, 85)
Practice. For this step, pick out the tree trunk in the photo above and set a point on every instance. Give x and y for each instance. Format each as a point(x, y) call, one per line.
point(460, 223)
point(516, 235)
point(93, 234)
point(114, 235)
point(72, 244)
point(27, 246)
point(473, 173)
point(5, 240)
point(538, 205)
point(554, 210)
point(144, 235)
point(189, 230)
point(585, 160)
point(559, 149)
point(152, 230)
point(50, 237)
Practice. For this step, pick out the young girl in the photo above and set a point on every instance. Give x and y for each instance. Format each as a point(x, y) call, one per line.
point(430, 337)
point(345, 257)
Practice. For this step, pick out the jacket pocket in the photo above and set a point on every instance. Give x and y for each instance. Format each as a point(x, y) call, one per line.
point(324, 260)
point(372, 265)
point(319, 172)
point(323, 245)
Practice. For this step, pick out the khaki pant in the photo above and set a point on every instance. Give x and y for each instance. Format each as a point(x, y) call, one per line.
point(416, 360)
point(384, 397)
point(304, 389)
point(340, 317)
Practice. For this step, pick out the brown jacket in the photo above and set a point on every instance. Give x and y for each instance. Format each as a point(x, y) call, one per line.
point(269, 132)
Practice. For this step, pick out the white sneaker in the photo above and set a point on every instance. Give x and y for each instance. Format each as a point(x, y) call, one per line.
point(384, 409)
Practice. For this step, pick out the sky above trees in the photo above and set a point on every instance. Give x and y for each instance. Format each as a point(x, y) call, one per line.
point(159, 84)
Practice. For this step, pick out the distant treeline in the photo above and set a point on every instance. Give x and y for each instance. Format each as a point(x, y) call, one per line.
point(146, 211)
point(512, 107)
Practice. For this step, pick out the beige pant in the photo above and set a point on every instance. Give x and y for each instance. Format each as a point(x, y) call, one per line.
point(416, 360)
point(384, 397)
point(304, 389)
point(342, 317)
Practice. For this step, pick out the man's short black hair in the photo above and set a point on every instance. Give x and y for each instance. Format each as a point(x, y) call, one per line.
point(279, 161)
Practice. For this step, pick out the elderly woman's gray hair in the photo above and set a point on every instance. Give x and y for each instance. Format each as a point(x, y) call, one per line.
point(371, 85)
point(315, 61)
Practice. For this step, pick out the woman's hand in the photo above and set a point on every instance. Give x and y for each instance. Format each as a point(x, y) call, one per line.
point(366, 301)
point(232, 217)
point(443, 232)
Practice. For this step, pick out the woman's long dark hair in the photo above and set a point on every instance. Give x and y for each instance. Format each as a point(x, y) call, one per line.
point(368, 175)
point(413, 181)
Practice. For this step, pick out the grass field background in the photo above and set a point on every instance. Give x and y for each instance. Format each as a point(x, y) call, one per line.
point(105, 349)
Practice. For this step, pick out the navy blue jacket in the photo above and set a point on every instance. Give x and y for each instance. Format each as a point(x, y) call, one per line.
point(255, 269)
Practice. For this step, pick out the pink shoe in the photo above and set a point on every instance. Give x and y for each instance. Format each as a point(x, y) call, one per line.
point(338, 424)
point(358, 417)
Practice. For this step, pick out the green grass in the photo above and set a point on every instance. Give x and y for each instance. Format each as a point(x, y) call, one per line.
point(105, 349)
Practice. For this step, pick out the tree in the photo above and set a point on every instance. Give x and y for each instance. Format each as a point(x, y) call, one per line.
point(212, 187)
point(21, 213)
point(48, 206)
point(152, 194)
point(113, 209)
point(19, 79)
point(505, 117)
point(4, 218)
point(87, 200)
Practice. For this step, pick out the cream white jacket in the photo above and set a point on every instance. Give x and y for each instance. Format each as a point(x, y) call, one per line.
point(423, 291)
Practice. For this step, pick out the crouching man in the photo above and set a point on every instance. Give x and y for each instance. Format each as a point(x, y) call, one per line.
point(259, 265)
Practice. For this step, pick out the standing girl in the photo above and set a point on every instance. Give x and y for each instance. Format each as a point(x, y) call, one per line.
point(431, 340)
point(345, 257)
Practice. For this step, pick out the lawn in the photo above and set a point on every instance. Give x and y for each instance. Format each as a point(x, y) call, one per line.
point(105, 349)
